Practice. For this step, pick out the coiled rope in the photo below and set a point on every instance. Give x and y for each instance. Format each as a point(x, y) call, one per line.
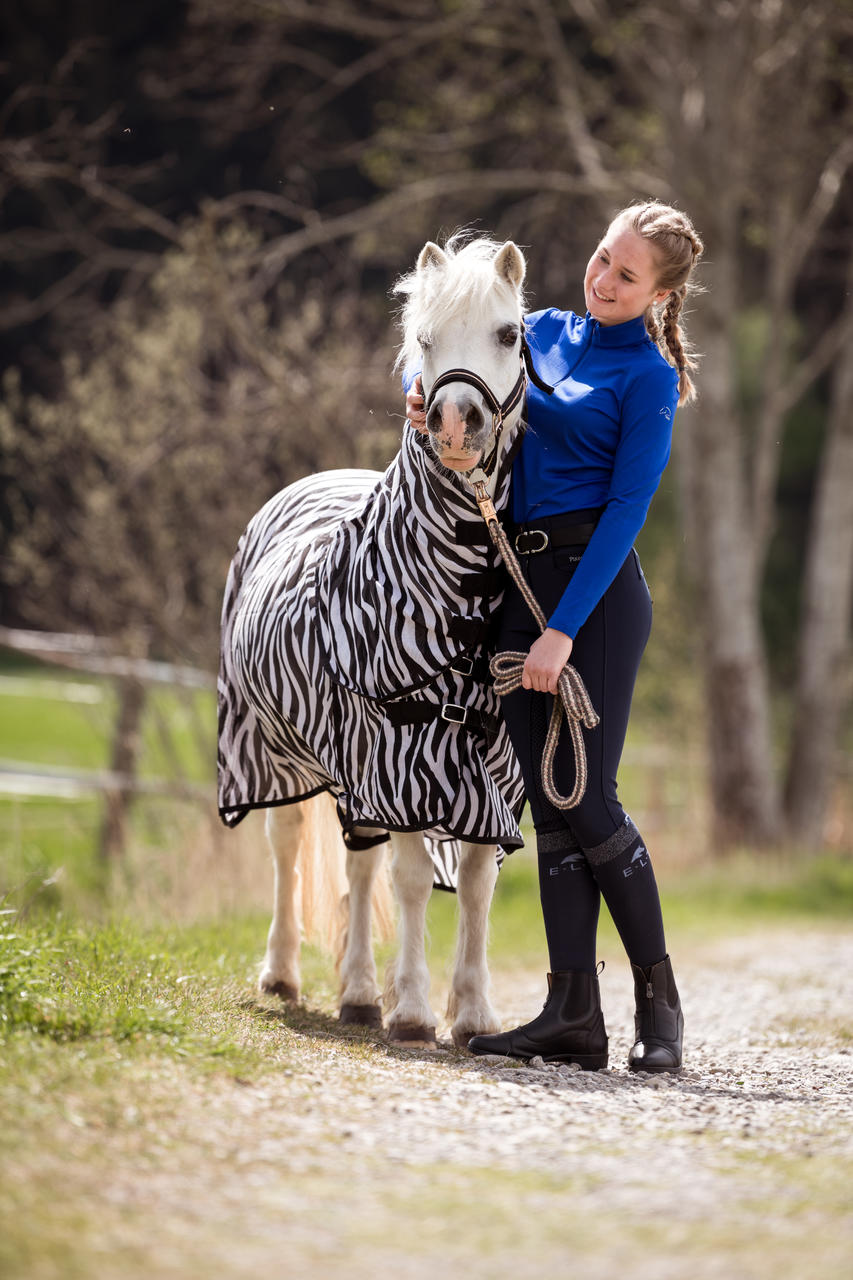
point(507, 667)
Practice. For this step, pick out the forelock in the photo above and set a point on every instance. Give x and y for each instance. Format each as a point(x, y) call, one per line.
point(466, 283)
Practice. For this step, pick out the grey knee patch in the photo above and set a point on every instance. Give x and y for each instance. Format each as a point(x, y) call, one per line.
point(614, 845)
point(561, 841)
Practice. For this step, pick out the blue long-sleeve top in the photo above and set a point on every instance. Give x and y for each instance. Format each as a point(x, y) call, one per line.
point(602, 440)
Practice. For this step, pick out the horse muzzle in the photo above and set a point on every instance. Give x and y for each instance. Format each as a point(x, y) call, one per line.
point(459, 430)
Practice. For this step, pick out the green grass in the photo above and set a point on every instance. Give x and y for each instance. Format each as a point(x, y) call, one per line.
point(39, 726)
point(69, 982)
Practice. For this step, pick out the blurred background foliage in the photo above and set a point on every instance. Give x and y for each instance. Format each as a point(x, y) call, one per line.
point(205, 207)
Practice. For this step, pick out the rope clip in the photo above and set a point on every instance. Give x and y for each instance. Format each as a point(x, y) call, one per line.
point(484, 502)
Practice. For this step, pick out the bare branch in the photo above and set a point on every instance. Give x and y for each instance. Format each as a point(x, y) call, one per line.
point(276, 253)
point(590, 154)
point(345, 77)
point(818, 360)
point(822, 203)
point(22, 312)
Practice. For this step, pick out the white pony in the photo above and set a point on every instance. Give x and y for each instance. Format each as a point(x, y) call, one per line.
point(344, 722)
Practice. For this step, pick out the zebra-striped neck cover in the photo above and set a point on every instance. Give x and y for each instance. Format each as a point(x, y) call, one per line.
point(392, 590)
point(343, 595)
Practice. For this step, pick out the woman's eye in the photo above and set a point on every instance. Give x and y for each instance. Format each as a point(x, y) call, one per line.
point(508, 335)
point(424, 341)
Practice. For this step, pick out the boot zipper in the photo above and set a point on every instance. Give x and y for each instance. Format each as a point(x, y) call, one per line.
point(650, 996)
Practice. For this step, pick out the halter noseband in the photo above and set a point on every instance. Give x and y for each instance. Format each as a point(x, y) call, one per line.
point(498, 410)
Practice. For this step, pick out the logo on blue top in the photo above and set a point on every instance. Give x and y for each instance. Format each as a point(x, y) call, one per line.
point(667, 412)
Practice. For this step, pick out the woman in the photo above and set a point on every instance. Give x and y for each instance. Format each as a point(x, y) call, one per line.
point(590, 463)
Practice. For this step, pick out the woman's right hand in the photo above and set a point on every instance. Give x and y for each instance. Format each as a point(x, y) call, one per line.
point(415, 406)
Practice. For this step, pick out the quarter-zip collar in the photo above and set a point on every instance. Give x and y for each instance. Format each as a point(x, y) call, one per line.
point(614, 335)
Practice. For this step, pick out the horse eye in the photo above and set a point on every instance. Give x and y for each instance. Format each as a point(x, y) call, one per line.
point(508, 335)
point(424, 341)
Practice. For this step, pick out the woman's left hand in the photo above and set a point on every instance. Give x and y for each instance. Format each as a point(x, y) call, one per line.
point(546, 659)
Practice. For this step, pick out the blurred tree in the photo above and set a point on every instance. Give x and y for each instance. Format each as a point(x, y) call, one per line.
point(130, 490)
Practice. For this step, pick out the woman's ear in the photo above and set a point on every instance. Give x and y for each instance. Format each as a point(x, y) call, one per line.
point(662, 295)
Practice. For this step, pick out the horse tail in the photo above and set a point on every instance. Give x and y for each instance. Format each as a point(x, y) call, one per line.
point(322, 859)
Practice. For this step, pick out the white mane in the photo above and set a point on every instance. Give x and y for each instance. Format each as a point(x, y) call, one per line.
point(467, 281)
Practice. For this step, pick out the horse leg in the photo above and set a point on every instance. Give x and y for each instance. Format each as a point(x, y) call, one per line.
point(359, 990)
point(280, 973)
point(469, 1008)
point(411, 1020)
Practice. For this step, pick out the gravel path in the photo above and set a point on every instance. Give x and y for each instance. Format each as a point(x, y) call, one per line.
point(357, 1159)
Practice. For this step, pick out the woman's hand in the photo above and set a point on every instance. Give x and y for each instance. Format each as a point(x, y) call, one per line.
point(546, 659)
point(415, 406)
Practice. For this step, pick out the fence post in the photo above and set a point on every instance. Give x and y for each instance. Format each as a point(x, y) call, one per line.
point(127, 742)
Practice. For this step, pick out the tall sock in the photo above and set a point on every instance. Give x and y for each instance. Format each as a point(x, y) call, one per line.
point(623, 871)
point(570, 902)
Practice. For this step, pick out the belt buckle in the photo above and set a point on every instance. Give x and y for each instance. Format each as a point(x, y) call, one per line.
point(529, 533)
point(453, 713)
point(462, 666)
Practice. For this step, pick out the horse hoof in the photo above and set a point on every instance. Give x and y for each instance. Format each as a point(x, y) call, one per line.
point(412, 1037)
point(285, 990)
point(360, 1015)
point(461, 1038)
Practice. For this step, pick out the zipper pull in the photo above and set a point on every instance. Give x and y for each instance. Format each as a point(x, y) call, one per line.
point(650, 991)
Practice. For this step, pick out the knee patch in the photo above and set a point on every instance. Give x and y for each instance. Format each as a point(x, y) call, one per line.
point(621, 840)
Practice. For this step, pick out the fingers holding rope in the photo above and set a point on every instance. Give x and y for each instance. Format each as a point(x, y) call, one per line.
point(573, 701)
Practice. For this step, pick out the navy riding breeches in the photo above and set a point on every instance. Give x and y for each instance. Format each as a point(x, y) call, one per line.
point(606, 652)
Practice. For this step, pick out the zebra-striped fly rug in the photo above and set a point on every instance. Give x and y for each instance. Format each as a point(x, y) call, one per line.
point(354, 639)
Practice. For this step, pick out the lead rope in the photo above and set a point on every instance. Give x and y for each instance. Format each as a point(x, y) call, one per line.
point(506, 668)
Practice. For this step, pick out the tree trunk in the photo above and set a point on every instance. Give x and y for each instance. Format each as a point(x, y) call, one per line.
point(125, 756)
point(823, 668)
point(722, 550)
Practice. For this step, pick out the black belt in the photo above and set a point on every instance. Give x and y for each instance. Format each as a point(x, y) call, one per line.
point(529, 539)
point(411, 712)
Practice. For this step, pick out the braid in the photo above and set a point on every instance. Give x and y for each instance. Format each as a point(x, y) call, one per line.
point(652, 326)
point(674, 338)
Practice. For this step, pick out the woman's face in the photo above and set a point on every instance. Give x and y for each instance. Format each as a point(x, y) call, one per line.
point(621, 277)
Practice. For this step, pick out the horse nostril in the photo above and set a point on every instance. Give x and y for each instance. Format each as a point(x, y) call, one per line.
point(473, 418)
point(433, 420)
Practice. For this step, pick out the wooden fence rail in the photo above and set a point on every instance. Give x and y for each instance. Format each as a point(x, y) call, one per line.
point(121, 781)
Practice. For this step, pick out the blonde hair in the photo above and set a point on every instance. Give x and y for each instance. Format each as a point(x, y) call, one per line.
point(677, 249)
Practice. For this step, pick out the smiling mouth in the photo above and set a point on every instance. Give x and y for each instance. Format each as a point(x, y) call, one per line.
point(600, 298)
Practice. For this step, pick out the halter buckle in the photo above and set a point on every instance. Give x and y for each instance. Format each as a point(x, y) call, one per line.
point(524, 550)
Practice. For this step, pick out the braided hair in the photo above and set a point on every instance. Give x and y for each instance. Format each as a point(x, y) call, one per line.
point(677, 249)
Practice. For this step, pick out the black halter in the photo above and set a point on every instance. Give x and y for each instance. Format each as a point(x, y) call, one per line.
point(498, 410)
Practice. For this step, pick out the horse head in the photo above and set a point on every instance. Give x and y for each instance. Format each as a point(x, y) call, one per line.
point(462, 323)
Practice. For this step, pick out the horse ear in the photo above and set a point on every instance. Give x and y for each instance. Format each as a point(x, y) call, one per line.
point(431, 256)
point(510, 264)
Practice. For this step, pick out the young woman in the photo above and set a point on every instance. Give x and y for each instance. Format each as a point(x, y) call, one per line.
point(590, 463)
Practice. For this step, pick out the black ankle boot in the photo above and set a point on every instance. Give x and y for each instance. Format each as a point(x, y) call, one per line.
point(658, 1021)
point(570, 1027)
